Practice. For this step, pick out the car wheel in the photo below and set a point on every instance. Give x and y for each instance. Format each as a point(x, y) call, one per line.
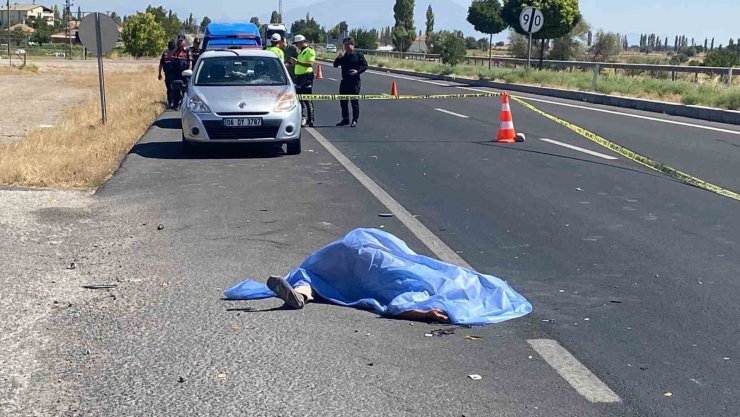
point(294, 148)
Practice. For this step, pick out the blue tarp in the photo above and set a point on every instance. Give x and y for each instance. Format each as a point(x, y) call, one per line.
point(375, 270)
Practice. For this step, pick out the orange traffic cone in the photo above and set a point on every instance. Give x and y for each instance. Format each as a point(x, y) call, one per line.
point(394, 90)
point(506, 133)
point(319, 74)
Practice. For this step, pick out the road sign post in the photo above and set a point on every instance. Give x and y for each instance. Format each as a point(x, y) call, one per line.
point(531, 21)
point(99, 32)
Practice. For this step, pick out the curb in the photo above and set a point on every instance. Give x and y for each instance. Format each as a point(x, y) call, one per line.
point(674, 109)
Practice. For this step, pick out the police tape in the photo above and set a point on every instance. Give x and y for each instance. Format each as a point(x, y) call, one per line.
point(336, 97)
point(634, 156)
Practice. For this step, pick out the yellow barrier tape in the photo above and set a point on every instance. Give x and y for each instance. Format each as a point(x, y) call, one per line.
point(335, 97)
point(634, 156)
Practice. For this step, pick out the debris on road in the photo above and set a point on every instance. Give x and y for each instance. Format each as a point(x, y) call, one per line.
point(72, 266)
point(616, 301)
point(475, 377)
point(443, 332)
point(181, 380)
point(469, 337)
point(385, 214)
point(668, 394)
point(372, 269)
point(160, 227)
point(99, 286)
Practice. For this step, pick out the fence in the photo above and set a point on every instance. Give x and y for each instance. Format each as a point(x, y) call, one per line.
point(596, 67)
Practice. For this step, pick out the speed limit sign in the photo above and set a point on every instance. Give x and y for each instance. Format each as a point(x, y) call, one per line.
point(531, 20)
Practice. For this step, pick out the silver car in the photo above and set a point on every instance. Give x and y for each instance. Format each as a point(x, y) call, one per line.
point(241, 96)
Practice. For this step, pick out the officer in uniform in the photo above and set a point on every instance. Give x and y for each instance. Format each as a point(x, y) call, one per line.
point(304, 74)
point(353, 64)
point(165, 65)
point(276, 42)
point(194, 52)
point(180, 63)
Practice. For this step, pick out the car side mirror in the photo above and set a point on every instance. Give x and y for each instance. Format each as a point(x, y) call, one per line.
point(187, 73)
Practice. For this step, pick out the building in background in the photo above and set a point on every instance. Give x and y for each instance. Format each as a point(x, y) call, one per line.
point(20, 13)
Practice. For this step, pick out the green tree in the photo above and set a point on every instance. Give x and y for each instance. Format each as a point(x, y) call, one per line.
point(79, 13)
point(167, 19)
point(726, 57)
point(485, 16)
point(365, 39)
point(116, 18)
point(275, 17)
point(42, 32)
point(336, 32)
point(404, 31)
point(256, 21)
point(309, 28)
point(452, 49)
point(143, 36)
point(429, 32)
point(483, 44)
point(572, 45)
point(471, 43)
point(560, 17)
point(607, 46)
point(57, 16)
point(518, 45)
point(204, 23)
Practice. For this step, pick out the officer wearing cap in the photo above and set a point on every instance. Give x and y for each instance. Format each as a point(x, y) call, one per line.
point(304, 74)
point(276, 42)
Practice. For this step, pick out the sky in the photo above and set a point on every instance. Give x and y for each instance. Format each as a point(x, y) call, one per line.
point(698, 19)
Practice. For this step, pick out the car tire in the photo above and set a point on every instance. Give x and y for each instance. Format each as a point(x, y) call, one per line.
point(294, 148)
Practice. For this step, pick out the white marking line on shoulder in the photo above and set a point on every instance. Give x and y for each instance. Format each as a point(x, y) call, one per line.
point(388, 74)
point(579, 149)
point(435, 244)
point(636, 116)
point(570, 369)
point(462, 116)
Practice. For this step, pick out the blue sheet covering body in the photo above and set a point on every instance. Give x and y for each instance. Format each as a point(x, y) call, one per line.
point(372, 269)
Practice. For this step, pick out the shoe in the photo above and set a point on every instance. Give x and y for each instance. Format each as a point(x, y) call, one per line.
point(285, 292)
point(343, 123)
point(303, 122)
point(309, 124)
point(354, 123)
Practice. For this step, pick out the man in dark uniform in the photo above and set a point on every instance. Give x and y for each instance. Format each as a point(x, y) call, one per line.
point(353, 64)
point(180, 63)
point(194, 52)
point(165, 65)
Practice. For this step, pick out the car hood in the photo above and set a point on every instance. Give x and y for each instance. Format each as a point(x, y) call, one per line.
point(237, 99)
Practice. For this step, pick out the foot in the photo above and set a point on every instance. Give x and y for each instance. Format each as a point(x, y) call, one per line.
point(354, 123)
point(303, 122)
point(343, 123)
point(285, 292)
point(309, 124)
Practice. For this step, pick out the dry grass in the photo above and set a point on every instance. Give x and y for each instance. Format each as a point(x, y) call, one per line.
point(79, 152)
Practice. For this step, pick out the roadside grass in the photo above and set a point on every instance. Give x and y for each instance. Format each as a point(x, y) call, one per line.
point(79, 152)
point(712, 93)
point(28, 68)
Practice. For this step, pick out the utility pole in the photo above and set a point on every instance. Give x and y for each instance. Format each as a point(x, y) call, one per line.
point(10, 56)
point(67, 30)
point(280, 11)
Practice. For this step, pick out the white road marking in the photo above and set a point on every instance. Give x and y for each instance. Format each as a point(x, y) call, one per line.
point(387, 74)
point(576, 148)
point(565, 364)
point(570, 369)
point(462, 116)
point(435, 244)
point(636, 116)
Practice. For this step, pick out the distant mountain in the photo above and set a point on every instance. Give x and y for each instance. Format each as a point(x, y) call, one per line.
point(375, 14)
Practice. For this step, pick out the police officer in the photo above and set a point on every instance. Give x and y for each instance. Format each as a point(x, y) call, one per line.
point(194, 52)
point(276, 42)
point(165, 65)
point(304, 74)
point(180, 63)
point(353, 64)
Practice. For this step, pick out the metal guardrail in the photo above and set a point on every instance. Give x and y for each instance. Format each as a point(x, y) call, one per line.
point(570, 65)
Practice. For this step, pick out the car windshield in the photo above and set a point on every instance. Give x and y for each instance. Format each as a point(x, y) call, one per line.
point(240, 71)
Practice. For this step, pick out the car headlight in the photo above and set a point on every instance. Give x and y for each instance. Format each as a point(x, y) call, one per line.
point(286, 103)
point(197, 105)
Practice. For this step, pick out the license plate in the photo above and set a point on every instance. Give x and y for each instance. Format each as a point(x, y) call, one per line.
point(243, 122)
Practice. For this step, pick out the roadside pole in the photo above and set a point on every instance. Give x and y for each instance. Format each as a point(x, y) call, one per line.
point(99, 32)
point(531, 20)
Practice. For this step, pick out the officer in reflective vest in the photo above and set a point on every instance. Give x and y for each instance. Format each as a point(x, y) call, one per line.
point(304, 74)
point(276, 42)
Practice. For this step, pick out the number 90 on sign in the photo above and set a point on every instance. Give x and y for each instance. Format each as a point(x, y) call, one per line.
point(531, 20)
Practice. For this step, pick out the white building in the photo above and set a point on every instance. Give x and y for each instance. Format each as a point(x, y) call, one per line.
point(20, 13)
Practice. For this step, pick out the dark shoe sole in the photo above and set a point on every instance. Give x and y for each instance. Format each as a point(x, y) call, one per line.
point(285, 292)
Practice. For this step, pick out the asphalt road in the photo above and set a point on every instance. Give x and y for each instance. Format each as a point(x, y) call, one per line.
point(634, 273)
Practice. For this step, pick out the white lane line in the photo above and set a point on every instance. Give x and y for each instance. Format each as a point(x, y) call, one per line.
point(576, 148)
point(565, 364)
point(636, 116)
point(462, 116)
point(435, 244)
point(570, 369)
point(387, 74)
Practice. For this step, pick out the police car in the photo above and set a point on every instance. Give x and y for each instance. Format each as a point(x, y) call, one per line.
point(240, 96)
